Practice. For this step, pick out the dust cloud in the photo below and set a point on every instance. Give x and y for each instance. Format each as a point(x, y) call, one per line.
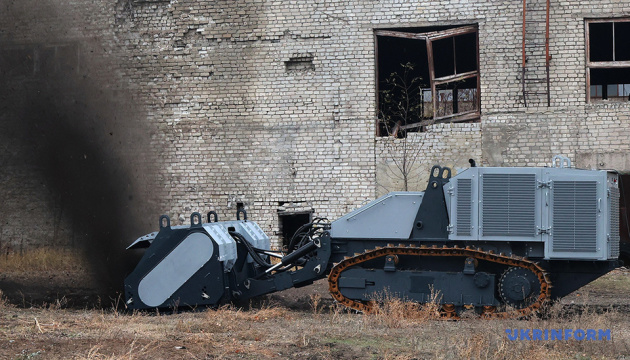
point(75, 144)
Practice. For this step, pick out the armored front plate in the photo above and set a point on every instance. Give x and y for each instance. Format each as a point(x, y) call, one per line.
point(175, 269)
point(388, 217)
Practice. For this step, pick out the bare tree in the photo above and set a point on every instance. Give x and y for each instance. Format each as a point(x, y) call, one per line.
point(401, 104)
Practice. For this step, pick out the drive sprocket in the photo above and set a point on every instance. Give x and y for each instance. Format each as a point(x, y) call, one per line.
point(518, 287)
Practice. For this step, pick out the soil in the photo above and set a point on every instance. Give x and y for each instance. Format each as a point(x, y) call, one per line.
point(62, 315)
point(72, 289)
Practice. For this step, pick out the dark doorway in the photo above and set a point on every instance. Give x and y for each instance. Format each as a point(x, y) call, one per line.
point(290, 223)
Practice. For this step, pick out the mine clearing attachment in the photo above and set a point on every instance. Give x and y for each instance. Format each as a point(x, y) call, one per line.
point(488, 240)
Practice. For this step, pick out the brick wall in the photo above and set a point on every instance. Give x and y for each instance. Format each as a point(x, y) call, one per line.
point(273, 103)
point(76, 164)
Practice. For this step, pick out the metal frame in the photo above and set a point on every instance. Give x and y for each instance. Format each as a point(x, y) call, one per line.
point(428, 38)
point(377, 128)
point(600, 64)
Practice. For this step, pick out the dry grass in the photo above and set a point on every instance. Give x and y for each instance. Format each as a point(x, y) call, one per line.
point(274, 332)
point(4, 303)
point(316, 303)
point(43, 259)
point(393, 312)
point(489, 340)
point(263, 313)
point(397, 330)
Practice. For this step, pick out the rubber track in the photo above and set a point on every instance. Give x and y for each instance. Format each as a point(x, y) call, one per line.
point(423, 250)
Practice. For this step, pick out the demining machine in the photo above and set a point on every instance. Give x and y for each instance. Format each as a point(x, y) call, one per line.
point(497, 241)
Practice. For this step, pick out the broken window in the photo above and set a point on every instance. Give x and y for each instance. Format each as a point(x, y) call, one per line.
point(425, 76)
point(608, 60)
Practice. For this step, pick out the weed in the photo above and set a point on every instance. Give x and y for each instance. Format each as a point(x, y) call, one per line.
point(336, 310)
point(397, 330)
point(3, 301)
point(315, 302)
point(116, 304)
point(393, 312)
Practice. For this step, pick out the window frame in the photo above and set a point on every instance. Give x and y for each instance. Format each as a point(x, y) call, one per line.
point(429, 38)
point(600, 64)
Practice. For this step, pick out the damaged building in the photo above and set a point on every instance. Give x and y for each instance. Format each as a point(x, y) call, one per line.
point(299, 109)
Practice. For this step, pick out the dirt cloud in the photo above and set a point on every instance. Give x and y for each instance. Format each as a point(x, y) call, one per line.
point(76, 148)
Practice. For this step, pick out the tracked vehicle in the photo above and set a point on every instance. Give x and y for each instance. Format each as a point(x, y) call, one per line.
point(497, 241)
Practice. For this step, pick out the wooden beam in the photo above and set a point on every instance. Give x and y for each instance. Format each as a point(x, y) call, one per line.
point(456, 77)
point(400, 34)
point(433, 35)
point(437, 35)
point(608, 64)
point(465, 116)
point(432, 76)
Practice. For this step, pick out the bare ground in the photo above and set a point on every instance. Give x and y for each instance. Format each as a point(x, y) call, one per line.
point(54, 315)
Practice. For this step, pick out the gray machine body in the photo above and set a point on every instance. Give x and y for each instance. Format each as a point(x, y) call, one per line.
point(388, 217)
point(564, 219)
point(574, 213)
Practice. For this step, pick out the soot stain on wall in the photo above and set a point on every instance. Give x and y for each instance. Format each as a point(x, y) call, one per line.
point(75, 146)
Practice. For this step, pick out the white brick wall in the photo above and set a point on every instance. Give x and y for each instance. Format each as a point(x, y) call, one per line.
point(228, 123)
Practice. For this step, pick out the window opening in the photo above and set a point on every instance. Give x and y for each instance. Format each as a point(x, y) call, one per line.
point(608, 60)
point(300, 63)
point(290, 223)
point(426, 75)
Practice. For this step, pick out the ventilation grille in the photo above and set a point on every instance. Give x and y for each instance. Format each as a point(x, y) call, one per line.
point(574, 216)
point(509, 205)
point(613, 214)
point(464, 207)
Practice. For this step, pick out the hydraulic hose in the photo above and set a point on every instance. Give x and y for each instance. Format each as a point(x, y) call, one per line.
point(294, 256)
point(293, 242)
point(250, 249)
